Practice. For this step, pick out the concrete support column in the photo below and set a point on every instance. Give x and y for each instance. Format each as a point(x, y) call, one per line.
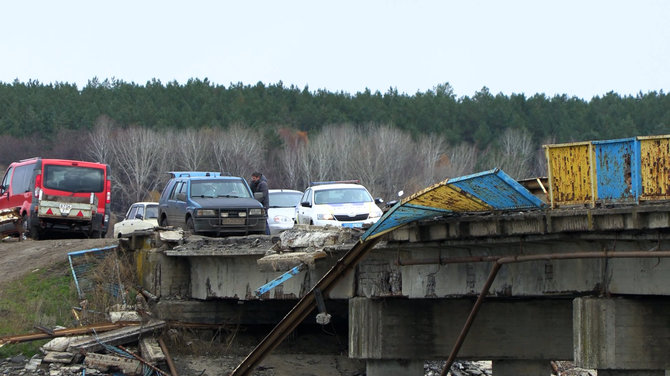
point(630, 372)
point(522, 367)
point(622, 336)
point(394, 367)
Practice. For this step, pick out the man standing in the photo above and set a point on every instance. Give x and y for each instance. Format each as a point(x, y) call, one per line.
point(260, 184)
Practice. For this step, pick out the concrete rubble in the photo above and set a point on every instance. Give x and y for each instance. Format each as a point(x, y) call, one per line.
point(305, 244)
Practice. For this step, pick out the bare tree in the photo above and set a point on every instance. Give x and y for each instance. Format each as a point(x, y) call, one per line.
point(195, 148)
point(460, 160)
point(139, 154)
point(100, 140)
point(514, 153)
point(238, 150)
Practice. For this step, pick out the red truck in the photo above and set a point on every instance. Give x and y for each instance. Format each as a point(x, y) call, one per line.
point(58, 196)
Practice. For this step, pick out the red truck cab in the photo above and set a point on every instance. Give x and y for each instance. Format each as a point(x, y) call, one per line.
point(58, 195)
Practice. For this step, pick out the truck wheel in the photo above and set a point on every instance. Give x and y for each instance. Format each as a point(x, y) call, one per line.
point(35, 232)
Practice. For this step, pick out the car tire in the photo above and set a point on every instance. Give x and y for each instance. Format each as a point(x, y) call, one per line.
point(164, 222)
point(190, 226)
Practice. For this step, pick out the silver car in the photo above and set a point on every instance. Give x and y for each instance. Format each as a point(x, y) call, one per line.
point(281, 213)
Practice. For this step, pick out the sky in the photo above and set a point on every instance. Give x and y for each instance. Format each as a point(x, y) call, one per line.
point(582, 48)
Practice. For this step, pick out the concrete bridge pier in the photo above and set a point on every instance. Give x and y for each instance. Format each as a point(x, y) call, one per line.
point(622, 336)
point(526, 334)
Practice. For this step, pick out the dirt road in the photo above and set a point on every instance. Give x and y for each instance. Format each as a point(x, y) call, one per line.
point(20, 257)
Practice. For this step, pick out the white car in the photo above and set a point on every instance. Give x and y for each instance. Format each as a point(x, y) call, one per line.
point(281, 213)
point(140, 216)
point(337, 204)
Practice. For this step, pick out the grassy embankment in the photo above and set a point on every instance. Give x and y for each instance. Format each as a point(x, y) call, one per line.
point(43, 297)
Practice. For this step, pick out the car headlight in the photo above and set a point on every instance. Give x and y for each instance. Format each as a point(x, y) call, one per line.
point(324, 216)
point(376, 213)
point(281, 219)
point(205, 213)
point(256, 211)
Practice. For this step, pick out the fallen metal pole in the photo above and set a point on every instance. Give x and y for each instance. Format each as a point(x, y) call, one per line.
point(168, 358)
point(471, 319)
point(64, 332)
point(144, 361)
point(499, 261)
point(300, 311)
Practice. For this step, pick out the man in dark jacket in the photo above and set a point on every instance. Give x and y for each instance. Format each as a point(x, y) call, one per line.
point(260, 184)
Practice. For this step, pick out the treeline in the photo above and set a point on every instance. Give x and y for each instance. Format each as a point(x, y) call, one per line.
point(390, 141)
point(33, 108)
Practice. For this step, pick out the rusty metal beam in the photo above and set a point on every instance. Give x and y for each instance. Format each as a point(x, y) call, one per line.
point(303, 307)
point(64, 332)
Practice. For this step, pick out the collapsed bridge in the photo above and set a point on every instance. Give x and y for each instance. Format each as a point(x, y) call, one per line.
point(476, 268)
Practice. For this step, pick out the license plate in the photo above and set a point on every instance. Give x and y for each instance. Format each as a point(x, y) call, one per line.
point(232, 221)
point(352, 225)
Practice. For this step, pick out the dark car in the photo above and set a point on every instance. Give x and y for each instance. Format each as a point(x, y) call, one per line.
point(212, 204)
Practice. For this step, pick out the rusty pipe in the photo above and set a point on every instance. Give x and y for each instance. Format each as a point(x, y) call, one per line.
point(540, 257)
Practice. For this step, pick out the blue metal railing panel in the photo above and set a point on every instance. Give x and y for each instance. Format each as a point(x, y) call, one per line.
point(617, 164)
point(498, 190)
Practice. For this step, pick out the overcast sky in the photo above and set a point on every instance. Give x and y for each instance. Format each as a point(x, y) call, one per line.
point(580, 48)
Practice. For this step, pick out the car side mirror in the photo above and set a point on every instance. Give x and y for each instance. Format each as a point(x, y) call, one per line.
point(305, 204)
point(2, 189)
point(259, 196)
point(139, 216)
point(181, 196)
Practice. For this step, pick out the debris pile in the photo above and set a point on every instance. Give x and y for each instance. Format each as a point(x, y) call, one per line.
point(10, 222)
point(305, 244)
point(101, 350)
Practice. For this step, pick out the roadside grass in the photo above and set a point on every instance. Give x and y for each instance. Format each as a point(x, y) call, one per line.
point(43, 297)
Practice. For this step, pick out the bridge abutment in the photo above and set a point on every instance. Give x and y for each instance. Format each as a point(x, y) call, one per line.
point(622, 336)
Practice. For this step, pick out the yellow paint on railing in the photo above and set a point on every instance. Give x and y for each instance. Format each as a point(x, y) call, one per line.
point(655, 167)
point(571, 177)
point(448, 197)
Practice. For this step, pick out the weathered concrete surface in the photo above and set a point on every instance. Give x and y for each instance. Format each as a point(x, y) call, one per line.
point(427, 329)
point(622, 333)
point(243, 312)
point(228, 268)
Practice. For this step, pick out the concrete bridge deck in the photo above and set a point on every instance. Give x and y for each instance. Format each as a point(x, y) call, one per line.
point(587, 285)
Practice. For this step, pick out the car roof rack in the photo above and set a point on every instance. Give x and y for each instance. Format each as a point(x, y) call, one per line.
point(187, 174)
point(356, 181)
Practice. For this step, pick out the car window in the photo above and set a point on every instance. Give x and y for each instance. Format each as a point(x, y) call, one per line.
point(21, 179)
point(132, 212)
point(219, 188)
point(74, 178)
point(152, 211)
point(307, 197)
point(341, 196)
point(5, 180)
point(284, 199)
point(175, 190)
point(140, 210)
